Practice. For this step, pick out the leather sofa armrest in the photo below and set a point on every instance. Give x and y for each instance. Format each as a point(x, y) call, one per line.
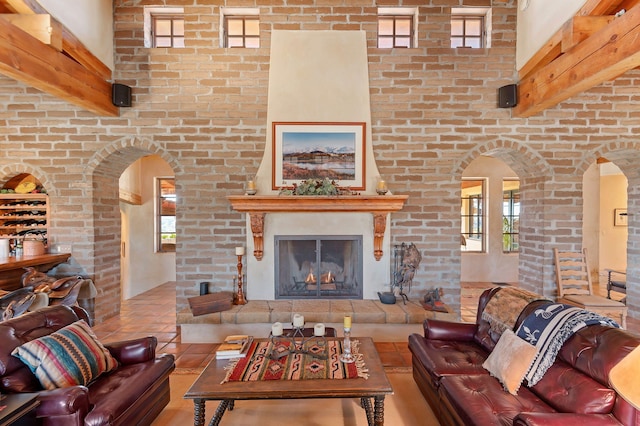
point(563, 419)
point(72, 401)
point(447, 330)
point(134, 351)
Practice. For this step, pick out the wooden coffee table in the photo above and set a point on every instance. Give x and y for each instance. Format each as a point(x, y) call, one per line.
point(208, 387)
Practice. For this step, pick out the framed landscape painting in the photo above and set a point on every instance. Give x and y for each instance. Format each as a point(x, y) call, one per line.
point(318, 150)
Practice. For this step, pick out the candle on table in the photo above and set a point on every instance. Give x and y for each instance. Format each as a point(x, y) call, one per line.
point(239, 251)
point(276, 329)
point(298, 320)
point(318, 330)
point(347, 321)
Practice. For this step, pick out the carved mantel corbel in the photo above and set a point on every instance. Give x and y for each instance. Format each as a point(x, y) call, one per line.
point(257, 229)
point(257, 206)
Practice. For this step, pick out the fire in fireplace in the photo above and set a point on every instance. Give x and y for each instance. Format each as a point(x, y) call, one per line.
point(328, 267)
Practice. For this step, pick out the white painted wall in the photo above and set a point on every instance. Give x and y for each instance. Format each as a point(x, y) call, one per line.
point(538, 22)
point(613, 239)
point(91, 21)
point(317, 76)
point(493, 265)
point(142, 268)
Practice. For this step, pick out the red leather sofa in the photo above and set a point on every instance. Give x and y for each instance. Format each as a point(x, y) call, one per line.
point(447, 367)
point(132, 394)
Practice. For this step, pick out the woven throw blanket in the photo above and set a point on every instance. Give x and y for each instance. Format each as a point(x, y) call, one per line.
point(548, 327)
point(503, 309)
point(257, 366)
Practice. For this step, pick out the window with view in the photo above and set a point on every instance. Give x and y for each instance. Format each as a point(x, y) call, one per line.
point(470, 27)
point(510, 216)
point(472, 215)
point(166, 217)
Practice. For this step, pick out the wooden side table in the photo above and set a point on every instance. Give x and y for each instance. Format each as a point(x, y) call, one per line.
point(18, 409)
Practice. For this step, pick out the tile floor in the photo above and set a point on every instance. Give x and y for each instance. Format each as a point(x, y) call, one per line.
point(154, 313)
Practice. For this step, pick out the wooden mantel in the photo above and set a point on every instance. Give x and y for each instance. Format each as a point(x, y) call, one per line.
point(259, 205)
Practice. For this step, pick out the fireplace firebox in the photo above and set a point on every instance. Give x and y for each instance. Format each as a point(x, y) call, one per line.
point(327, 267)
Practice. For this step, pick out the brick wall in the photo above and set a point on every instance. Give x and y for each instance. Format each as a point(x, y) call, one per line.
point(203, 109)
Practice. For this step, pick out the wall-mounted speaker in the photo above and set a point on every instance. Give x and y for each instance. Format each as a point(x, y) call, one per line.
point(121, 95)
point(508, 96)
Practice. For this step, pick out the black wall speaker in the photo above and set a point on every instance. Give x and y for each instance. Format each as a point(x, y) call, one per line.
point(121, 95)
point(508, 96)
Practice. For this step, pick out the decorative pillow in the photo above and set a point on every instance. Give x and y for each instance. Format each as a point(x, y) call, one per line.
point(510, 360)
point(68, 357)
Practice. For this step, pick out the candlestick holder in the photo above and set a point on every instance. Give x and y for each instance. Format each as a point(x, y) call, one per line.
point(346, 356)
point(239, 297)
point(295, 342)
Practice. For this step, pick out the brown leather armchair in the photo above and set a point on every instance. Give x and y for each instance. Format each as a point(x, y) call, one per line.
point(132, 394)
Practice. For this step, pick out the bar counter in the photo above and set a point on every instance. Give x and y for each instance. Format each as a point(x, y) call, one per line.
point(12, 268)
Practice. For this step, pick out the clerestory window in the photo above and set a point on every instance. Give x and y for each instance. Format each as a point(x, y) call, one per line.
point(240, 27)
point(164, 27)
point(397, 27)
point(470, 27)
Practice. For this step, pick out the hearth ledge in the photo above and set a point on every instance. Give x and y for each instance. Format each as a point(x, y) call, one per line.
point(370, 318)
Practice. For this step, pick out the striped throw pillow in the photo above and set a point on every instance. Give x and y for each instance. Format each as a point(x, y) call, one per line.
point(68, 357)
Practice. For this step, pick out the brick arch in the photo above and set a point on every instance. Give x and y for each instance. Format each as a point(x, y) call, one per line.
point(521, 158)
point(103, 171)
point(625, 154)
point(116, 157)
point(10, 170)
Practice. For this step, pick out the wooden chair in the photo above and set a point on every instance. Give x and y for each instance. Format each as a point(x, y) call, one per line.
point(574, 286)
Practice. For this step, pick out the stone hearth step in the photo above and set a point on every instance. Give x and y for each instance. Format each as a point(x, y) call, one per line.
point(314, 311)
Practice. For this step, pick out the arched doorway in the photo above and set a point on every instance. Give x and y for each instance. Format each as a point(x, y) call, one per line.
point(143, 263)
point(106, 167)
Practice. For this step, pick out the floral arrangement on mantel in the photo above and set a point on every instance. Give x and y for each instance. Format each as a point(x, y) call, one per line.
point(313, 186)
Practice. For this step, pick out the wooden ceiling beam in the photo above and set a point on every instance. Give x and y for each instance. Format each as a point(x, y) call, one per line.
point(30, 61)
point(579, 28)
point(605, 55)
point(43, 27)
point(23, 6)
point(553, 47)
point(71, 45)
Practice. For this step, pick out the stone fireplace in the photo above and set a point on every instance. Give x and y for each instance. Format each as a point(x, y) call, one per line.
point(321, 266)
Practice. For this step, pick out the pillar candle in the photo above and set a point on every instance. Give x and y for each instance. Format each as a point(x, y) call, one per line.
point(251, 185)
point(298, 320)
point(276, 329)
point(347, 321)
point(239, 251)
point(382, 185)
point(318, 330)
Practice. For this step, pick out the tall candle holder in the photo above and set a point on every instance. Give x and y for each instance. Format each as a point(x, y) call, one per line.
point(239, 299)
point(346, 356)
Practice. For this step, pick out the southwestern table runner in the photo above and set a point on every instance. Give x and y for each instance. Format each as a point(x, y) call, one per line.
point(257, 366)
